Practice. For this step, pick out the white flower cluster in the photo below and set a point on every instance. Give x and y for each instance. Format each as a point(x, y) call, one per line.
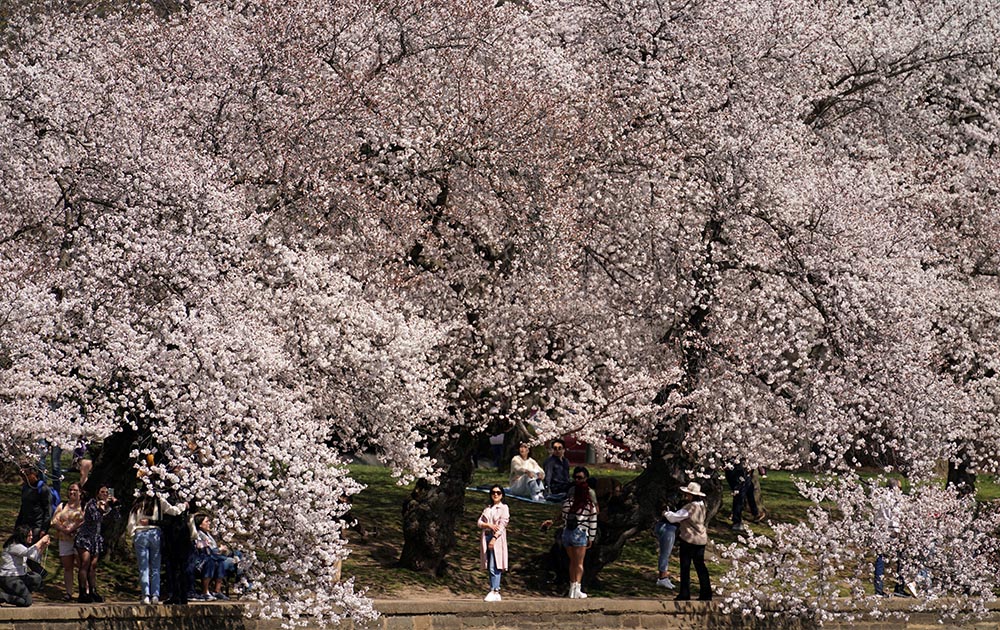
point(931, 540)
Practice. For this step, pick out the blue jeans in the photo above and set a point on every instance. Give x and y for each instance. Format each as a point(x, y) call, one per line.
point(666, 534)
point(491, 565)
point(147, 551)
point(54, 451)
point(880, 575)
point(211, 565)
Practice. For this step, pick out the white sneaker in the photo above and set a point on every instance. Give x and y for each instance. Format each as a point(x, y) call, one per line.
point(155, 600)
point(145, 600)
point(492, 596)
point(665, 583)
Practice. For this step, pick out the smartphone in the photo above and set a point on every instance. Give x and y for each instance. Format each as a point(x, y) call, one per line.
point(111, 493)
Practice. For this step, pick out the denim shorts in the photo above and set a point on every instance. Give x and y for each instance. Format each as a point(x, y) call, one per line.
point(574, 537)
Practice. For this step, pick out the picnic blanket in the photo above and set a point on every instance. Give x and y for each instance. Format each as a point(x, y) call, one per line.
point(486, 489)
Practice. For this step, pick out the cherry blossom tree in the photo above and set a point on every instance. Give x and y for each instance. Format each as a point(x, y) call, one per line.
point(263, 236)
point(157, 273)
point(940, 544)
point(784, 169)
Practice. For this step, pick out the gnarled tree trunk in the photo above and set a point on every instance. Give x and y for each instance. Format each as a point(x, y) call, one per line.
point(641, 500)
point(638, 508)
point(431, 514)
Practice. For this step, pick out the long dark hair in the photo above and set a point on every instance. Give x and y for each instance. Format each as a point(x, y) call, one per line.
point(581, 491)
point(20, 535)
point(145, 504)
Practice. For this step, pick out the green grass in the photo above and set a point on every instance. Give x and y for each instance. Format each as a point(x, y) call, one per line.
point(377, 509)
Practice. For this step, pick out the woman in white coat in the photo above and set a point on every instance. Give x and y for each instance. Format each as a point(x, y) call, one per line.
point(526, 475)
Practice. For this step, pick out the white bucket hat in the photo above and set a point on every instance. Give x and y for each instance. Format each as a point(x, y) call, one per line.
point(694, 489)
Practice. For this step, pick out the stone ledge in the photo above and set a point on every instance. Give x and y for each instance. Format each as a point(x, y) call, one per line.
point(541, 613)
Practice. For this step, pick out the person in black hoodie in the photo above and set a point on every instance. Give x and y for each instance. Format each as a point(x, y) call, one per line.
point(36, 503)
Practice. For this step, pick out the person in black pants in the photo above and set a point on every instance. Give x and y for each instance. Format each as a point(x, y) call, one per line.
point(740, 481)
point(693, 536)
point(178, 545)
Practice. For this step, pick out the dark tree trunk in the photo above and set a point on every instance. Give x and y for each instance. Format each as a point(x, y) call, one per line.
point(431, 514)
point(961, 477)
point(641, 501)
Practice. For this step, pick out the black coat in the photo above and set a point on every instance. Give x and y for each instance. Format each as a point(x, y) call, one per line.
point(36, 507)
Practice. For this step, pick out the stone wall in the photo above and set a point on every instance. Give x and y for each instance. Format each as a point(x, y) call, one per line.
point(457, 614)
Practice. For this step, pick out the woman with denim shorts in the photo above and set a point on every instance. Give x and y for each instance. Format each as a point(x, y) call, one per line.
point(67, 519)
point(579, 513)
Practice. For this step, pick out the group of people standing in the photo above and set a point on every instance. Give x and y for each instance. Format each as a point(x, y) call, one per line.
point(579, 529)
point(163, 535)
point(77, 527)
point(578, 519)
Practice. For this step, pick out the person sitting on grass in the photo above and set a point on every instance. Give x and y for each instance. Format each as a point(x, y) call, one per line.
point(20, 566)
point(556, 473)
point(526, 476)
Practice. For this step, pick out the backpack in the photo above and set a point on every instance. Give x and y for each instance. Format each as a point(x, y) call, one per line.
point(54, 499)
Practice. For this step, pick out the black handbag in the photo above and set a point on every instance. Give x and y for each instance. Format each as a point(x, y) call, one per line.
point(35, 567)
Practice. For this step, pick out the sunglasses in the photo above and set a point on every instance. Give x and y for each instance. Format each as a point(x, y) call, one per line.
point(495, 492)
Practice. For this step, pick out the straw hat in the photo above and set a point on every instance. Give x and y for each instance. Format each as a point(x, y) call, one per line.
point(694, 489)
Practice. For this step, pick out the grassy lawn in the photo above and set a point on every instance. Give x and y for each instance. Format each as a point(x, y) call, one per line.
point(378, 510)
